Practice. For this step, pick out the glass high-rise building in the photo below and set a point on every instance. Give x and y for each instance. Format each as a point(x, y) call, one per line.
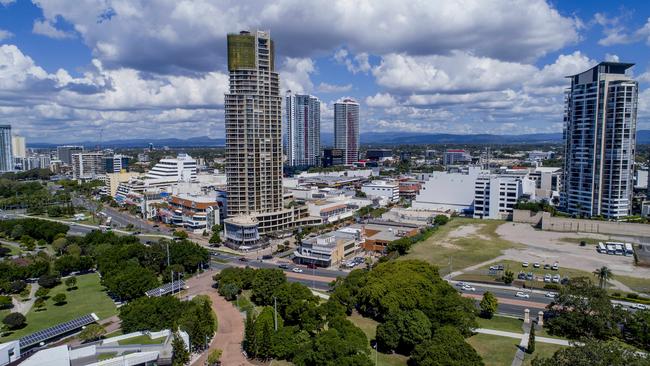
point(600, 141)
point(6, 153)
point(253, 126)
point(346, 129)
point(302, 113)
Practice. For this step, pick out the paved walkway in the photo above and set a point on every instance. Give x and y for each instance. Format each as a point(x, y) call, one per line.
point(230, 332)
point(23, 307)
point(500, 333)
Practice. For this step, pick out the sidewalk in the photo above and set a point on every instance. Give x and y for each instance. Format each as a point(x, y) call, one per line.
point(500, 333)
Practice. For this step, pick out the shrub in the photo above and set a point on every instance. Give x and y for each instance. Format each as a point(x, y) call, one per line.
point(17, 287)
point(59, 299)
point(5, 302)
point(49, 281)
point(552, 286)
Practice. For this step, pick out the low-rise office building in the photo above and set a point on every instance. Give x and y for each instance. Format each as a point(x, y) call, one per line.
point(378, 233)
point(331, 248)
point(194, 212)
point(456, 157)
point(382, 189)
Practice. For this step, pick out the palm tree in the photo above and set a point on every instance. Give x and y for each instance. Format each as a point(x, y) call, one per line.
point(604, 274)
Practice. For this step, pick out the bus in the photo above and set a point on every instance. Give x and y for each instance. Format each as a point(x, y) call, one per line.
point(601, 248)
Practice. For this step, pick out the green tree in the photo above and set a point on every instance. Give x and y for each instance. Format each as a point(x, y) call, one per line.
point(582, 310)
point(71, 282)
point(531, 340)
point(14, 320)
point(592, 352)
point(42, 293)
point(39, 304)
point(59, 245)
point(264, 285)
point(403, 330)
point(198, 321)
point(215, 238)
point(49, 281)
point(130, 282)
point(488, 305)
point(446, 347)
point(92, 332)
point(636, 328)
point(508, 277)
point(181, 234)
point(603, 274)
point(229, 291)
point(59, 299)
point(181, 356)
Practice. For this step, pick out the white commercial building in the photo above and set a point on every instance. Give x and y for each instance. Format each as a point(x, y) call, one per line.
point(444, 191)
point(382, 189)
point(641, 177)
point(179, 169)
point(456, 156)
point(87, 166)
point(495, 196)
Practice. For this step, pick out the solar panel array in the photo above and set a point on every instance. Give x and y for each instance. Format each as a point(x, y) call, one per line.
point(166, 289)
point(57, 330)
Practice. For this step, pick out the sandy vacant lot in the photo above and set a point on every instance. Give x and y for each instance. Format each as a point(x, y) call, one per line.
point(547, 246)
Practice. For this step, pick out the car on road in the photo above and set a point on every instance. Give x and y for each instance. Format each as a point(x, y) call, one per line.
point(551, 294)
point(243, 259)
point(297, 270)
point(284, 266)
point(267, 256)
point(460, 284)
point(468, 288)
point(525, 264)
point(522, 294)
point(156, 225)
point(536, 265)
point(638, 306)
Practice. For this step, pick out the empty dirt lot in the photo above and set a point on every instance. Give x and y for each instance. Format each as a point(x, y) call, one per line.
point(548, 247)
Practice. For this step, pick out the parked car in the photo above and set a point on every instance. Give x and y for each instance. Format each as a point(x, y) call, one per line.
point(536, 265)
point(556, 278)
point(522, 294)
point(547, 278)
point(530, 276)
point(460, 284)
point(297, 270)
point(243, 259)
point(521, 276)
point(547, 266)
point(525, 264)
point(500, 267)
point(555, 266)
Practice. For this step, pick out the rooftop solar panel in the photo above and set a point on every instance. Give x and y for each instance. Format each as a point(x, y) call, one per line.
point(57, 330)
point(166, 289)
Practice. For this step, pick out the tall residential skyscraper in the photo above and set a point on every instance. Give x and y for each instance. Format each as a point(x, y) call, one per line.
point(600, 141)
point(303, 129)
point(346, 129)
point(253, 126)
point(6, 153)
point(18, 147)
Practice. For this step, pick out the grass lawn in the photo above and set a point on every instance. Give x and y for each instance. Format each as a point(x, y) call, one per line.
point(477, 247)
point(89, 297)
point(501, 323)
point(495, 350)
point(369, 327)
point(542, 350)
point(635, 283)
point(281, 363)
point(142, 339)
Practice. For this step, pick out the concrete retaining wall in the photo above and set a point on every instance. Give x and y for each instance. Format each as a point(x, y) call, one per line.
point(564, 224)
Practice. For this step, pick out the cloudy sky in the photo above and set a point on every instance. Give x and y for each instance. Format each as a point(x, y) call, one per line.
point(75, 70)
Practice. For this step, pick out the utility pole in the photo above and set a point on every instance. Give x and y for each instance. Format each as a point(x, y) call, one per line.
point(275, 312)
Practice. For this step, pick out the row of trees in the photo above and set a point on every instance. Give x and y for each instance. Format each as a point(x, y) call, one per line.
point(291, 324)
point(416, 310)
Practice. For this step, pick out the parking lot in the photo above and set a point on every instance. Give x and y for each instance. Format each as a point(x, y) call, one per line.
point(549, 247)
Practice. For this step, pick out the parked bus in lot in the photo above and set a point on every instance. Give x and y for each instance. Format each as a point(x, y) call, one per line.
point(601, 248)
point(611, 249)
point(628, 249)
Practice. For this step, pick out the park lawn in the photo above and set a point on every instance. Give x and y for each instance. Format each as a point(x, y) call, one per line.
point(501, 323)
point(495, 350)
point(89, 297)
point(634, 283)
point(542, 350)
point(141, 339)
point(475, 248)
point(369, 327)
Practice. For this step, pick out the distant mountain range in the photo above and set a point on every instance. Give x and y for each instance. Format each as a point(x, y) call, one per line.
point(376, 138)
